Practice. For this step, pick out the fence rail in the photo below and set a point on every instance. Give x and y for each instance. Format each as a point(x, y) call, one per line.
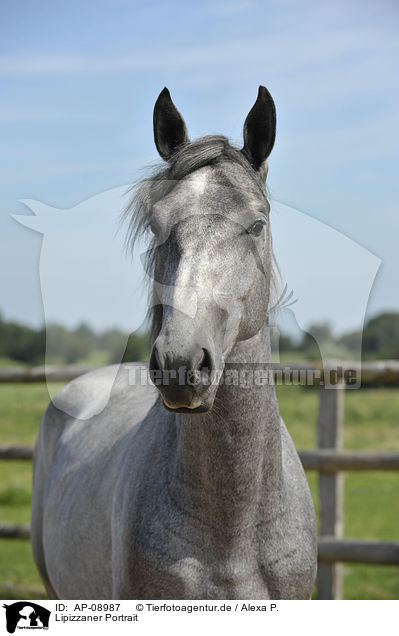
point(379, 371)
point(331, 461)
point(328, 459)
point(357, 551)
point(14, 531)
point(324, 461)
point(43, 373)
point(16, 452)
point(329, 548)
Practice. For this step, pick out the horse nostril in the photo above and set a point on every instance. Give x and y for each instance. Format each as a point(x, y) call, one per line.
point(155, 364)
point(167, 369)
point(205, 363)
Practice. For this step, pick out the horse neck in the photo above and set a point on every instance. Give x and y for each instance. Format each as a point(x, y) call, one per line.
point(228, 457)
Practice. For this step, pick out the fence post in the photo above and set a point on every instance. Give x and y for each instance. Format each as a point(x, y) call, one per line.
point(329, 435)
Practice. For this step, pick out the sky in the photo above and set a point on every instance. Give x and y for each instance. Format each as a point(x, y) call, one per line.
point(78, 84)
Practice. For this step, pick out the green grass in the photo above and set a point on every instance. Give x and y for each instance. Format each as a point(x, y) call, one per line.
point(17, 569)
point(8, 362)
point(96, 358)
point(371, 499)
point(21, 409)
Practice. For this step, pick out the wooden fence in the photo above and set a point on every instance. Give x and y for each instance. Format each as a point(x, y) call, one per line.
point(328, 459)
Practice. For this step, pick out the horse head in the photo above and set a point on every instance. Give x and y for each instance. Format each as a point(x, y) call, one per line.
point(211, 250)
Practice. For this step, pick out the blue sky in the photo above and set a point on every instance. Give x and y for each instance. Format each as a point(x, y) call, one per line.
point(79, 80)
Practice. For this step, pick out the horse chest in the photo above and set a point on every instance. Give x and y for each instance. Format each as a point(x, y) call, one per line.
point(193, 574)
point(175, 556)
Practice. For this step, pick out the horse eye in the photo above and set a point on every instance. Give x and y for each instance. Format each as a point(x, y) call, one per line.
point(256, 228)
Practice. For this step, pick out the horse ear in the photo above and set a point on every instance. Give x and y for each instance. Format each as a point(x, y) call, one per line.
point(170, 131)
point(260, 129)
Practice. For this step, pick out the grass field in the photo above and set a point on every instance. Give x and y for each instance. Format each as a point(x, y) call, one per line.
point(371, 499)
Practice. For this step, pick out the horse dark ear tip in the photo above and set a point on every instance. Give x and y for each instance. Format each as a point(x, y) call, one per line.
point(263, 93)
point(164, 92)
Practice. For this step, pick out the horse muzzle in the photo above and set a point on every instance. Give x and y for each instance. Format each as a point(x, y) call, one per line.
point(186, 380)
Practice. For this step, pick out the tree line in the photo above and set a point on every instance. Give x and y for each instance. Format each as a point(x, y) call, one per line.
point(25, 344)
point(379, 340)
point(20, 343)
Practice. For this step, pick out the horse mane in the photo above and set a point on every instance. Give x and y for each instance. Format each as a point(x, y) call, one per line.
point(209, 150)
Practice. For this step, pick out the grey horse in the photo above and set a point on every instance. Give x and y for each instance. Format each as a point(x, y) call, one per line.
point(188, 487)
